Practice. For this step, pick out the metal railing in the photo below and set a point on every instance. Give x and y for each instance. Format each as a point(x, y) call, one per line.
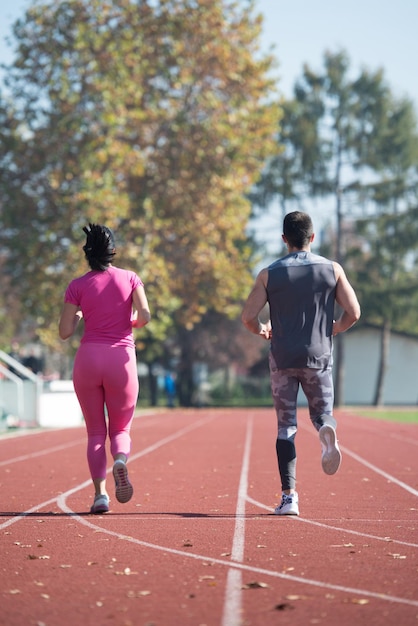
point(20, 404)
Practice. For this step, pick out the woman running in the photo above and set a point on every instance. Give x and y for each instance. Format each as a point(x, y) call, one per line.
point(111, 301)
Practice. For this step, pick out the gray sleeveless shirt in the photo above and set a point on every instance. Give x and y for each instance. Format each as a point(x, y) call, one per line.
point(301, 294)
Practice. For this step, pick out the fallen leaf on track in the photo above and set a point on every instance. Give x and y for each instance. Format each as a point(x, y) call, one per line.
point(359, 601)
point(396, 556)
point(126, 572)
point(283, 606)
point(33, 557)
point(138, 594)
point(255, 585)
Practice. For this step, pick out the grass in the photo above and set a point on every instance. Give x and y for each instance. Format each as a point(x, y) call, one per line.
point(404, 415)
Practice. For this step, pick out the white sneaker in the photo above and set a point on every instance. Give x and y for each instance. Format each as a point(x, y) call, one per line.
point(289, 505)
point(124, 489)
point(100, 504)
point(331, 455)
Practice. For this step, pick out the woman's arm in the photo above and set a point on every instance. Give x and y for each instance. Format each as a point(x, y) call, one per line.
point(143, 315)
point(70, 317)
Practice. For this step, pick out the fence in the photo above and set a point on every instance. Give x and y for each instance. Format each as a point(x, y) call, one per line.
point(26, 400)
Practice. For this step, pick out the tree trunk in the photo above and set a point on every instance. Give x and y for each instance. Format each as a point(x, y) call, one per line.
point(383, 363)
point(339, 371)
point(339, 342)
point(185, 382)
point(152, 385)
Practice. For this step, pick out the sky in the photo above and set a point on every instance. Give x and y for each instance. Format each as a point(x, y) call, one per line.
point(374, 33)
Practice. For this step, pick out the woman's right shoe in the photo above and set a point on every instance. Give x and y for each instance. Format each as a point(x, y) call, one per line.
point(124, 489)
point(100, 505)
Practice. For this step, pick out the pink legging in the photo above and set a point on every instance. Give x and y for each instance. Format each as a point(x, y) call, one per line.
point(106, 376)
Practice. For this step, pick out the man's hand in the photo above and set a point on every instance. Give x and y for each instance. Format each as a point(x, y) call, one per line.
point(265, 330)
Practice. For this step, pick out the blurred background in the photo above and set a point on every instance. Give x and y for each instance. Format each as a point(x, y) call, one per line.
point(191, 128)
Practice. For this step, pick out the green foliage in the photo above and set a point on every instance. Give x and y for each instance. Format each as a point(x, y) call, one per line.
point(351, 140)
point(333, 132)
point(397, 415)
point(244, 392)
point(386, 263)
point(348, 140)
point(154, 118)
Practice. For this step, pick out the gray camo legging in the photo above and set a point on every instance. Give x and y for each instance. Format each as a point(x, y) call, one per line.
point(317, 384)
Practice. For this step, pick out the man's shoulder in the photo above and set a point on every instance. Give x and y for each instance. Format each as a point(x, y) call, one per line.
point(281, 262)
point(318, 258)
point(299, 258)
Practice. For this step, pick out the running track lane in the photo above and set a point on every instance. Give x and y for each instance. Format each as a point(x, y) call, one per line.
point(198, 544)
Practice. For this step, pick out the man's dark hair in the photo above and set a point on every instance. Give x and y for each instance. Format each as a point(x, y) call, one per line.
point(298, 229)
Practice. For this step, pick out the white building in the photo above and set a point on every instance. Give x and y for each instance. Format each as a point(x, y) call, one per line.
point(362, 357)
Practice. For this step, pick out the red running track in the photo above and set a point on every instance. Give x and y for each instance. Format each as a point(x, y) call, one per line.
point(198, 543)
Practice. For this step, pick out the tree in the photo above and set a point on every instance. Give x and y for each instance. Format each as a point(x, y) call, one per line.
point(153, 117)
point(387, 269)
point(337, 127)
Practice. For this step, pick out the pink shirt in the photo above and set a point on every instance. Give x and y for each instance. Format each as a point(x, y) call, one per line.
point(105, 299)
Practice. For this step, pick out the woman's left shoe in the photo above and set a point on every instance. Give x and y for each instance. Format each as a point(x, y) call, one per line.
point(100, 504)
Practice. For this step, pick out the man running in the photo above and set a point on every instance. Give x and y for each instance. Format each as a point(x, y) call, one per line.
point(301, 289)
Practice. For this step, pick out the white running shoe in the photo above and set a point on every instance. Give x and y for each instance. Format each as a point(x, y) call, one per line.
point(331, 455)
point(124, 489)
point(289, 505)
point(100, 504)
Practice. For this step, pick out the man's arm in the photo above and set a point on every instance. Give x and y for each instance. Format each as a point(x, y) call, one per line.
point(254, 305)
point(347, 299)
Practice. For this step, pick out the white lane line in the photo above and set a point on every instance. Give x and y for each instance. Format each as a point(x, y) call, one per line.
point(170, 438)
point(374, 468)
point(388, 477)
point(32, 455)
point(233, 589)
point(34, 509)
point(355, 532)
point(403, 439)
point(238, 566)
point(337, 528)
point(152, 448)
point(61, 501)
point(232, 611)
point(238, 543)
